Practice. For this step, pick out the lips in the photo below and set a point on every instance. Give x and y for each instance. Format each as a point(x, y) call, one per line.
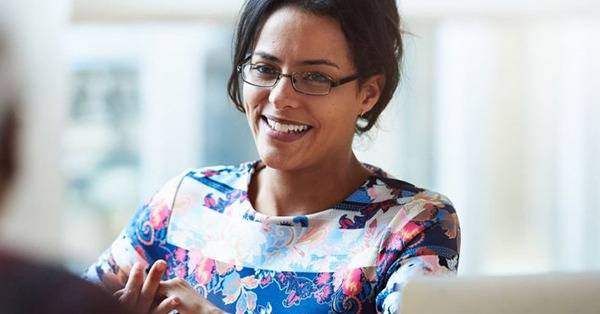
point(282, 120)
point(280, 131)
point(285, 126)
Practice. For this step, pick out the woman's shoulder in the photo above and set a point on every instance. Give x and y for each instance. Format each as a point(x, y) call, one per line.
point(407, 210)
point(228, 177)
point(223, 174)
point(405, 197)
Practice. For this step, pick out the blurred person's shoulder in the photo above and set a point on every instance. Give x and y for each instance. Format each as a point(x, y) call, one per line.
point(31, 287)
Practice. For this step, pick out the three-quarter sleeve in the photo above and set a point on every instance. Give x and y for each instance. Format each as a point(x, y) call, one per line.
point(142, 240)
point(427, 244)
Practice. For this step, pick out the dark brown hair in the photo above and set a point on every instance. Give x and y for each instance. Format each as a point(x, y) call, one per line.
point(371, 27)
point(8, 137)
point(8, 124)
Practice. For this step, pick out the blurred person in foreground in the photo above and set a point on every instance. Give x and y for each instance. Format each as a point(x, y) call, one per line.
point(27, 286)
point(307, 228)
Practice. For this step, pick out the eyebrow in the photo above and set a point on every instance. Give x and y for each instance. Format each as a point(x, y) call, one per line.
point(305, 62)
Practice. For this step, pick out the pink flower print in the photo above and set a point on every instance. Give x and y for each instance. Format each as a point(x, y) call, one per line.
point(140, 251)
point(352, 285)
point(396, 240)
point(266, 280)
point(323, 295)
point(180, 271)
point(282, 278)
point(251, 300)
point(232, 286)
point(246, 303)
point(204, 270)
point(158, 216)
point(370, 231)
point(409, 231)
point(180, 255)
point(372, 192)
point(249, 282)
point(210, 172)
point(243, 197)
point(223, 268)
point(314, 234)
point(292, 299)
point(346, 223)
point(323, 279)
point(379, 194)
point(209, 201)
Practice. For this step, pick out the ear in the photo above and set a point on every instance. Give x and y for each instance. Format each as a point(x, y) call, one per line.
point(370, 92)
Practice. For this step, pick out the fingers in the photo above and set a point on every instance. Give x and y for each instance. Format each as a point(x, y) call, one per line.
point(117, 294)
point(167, 305)
point(191, 301)
point(129, 296)
point(150, 286)
point(167, 287)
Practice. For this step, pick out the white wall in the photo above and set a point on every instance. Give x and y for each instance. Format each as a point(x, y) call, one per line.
point(514, 114)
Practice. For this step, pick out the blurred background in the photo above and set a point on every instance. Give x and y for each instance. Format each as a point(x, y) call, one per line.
point(499, 109)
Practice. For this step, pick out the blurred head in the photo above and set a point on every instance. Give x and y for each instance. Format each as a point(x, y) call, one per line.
point(8, 122)
point(323, 40)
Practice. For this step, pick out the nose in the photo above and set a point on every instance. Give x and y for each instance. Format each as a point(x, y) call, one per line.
point(283, 95)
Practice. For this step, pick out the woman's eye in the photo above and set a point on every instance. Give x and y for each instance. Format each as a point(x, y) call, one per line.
point(264, 69)
point(315, 77)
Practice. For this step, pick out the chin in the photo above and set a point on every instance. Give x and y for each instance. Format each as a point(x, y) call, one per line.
point(275, 159)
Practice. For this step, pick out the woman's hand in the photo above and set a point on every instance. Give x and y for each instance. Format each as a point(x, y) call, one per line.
point(190, 301)
point(140, 294)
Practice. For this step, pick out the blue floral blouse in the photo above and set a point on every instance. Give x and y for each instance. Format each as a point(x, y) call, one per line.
point(352, 258)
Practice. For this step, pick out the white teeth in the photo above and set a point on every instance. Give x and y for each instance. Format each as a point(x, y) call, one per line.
point(287, 128)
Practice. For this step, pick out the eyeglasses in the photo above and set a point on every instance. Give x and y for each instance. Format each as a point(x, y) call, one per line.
point(308, 83)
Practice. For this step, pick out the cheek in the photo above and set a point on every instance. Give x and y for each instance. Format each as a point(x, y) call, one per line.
point(340, 116)
point(253, 104)
point(253, 97)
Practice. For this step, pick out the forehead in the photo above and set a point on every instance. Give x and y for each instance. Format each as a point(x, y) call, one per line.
point(293, 35)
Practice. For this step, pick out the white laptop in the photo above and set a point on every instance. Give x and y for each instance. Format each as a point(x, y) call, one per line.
point(552, 293)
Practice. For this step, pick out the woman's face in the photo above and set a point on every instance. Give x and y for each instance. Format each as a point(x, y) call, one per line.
point(295, 131)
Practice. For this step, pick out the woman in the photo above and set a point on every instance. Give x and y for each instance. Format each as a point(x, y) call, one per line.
point(307, 228)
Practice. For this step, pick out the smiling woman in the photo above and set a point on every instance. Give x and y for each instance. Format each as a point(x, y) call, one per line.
point(307, 228)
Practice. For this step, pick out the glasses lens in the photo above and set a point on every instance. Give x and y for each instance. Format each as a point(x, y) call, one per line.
point(259, 75)
point(313, 83)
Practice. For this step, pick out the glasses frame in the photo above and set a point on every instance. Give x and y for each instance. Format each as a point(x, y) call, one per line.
point(293, 76)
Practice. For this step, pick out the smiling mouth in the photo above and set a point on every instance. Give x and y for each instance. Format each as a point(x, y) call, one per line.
point(278, 125)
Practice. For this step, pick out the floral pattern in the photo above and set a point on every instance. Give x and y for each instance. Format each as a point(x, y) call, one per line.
point(352, 258)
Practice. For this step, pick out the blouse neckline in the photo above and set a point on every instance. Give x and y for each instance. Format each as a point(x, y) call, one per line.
point(253, 167)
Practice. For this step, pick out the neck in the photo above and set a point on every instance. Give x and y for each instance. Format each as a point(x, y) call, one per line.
point(300, 192)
